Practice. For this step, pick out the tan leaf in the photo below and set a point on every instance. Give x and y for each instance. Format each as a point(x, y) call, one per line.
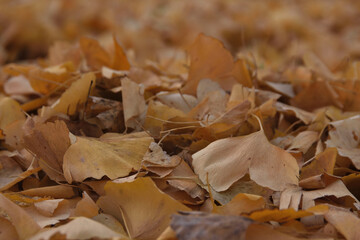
point(75, 95)
point(240, 204)
point(10, 112)
point(345, 138)
point(133, 103)
point(95, 55)
point(145, 217)
point(25, 226)
point(210, 59)
point(86, 207)
point(119, 61)
point(79, 228)
point(93, 158)
point(227, 160)
point(345, 222)
point(323, 163)
point(49, 142)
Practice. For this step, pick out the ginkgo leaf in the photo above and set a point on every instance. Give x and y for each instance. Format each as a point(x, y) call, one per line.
point(10, 112)
point(225, 161)
point(241, 203)
point(323, 163)
point(345, 222)
point(119, 60)
point(93, 158)
point(95, 55)
point(345, 138)
point(143, 208)
point(75, 95)
point(133, 103)
point(79, 228)
point(25, 226)
point(49, 142)
point(210, 59)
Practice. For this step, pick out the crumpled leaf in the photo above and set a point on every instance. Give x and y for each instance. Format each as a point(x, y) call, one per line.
point(266, 164)
point(51, 211)
point(145, 217)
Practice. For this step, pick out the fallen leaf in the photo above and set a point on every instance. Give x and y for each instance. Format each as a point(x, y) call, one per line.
point(76, 95)
point(49, 142)
point(133, 103)
point(345, 222)
point(323, 163)
point(238, 156)
point(10, 112)
point(205, 55)
point(25, 226)
point(240, 204)
point(344, 137)
point(79, 228)
point(145, 217)
point(198, 225)
point(112, 157)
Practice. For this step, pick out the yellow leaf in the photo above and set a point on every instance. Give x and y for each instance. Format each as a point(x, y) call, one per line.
point(93, 158)
point(75, 95)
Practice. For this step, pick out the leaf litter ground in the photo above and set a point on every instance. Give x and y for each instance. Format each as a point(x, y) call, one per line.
point(245, 126)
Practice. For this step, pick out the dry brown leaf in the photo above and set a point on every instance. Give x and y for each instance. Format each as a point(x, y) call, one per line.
point(323, 163)
point(86, 207)
point(7, 230)
point(303, 141)
point(261, 231)
point(57, 191)
point(10, 112)
point(198, 225)
point(266, 164)
point(344, 136)
point(79, 228)
point(240, 204)
point(145, 217)
point(157, 115)
point(25, 226)
point(52, 211)
point(183, 178)
point(345, 222)
point(119, 60)
point(133, 103)
point(49, 142)
point(304, 116)
point(110, 157)
point(210, 59)
point(76, 95)
point(95, 55)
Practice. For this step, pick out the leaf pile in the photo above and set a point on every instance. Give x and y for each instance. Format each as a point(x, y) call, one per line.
point(254, 138)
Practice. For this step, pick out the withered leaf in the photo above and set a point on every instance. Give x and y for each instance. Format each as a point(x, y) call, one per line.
point(225, 161)
point(198, 225)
